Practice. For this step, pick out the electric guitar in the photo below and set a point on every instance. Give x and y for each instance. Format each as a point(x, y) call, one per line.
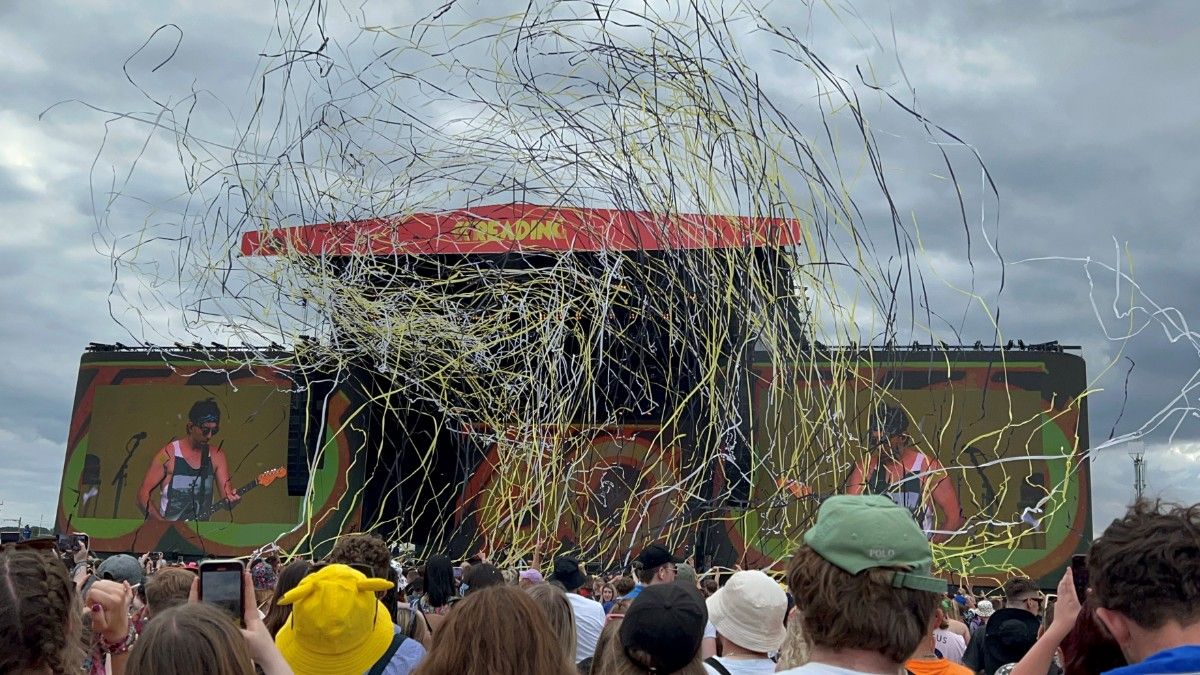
point(264, 479)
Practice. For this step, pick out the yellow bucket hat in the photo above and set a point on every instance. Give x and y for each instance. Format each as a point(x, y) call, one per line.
point(337, 624)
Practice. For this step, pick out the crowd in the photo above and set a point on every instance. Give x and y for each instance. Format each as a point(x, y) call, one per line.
point(858, 596)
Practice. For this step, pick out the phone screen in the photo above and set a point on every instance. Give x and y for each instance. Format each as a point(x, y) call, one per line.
point(221, 585)
point(457, 572)
point(81, 540)
point(1079, 570)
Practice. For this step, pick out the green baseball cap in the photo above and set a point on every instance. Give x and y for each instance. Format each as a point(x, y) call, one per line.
point(859, 532)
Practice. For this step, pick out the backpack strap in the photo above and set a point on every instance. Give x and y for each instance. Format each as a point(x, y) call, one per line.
point(716, 665)
point(382, 664)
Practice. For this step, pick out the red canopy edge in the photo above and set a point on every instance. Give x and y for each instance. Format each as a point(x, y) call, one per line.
point(504, 228)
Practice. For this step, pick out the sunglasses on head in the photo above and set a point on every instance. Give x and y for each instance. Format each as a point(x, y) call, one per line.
point(361, 567)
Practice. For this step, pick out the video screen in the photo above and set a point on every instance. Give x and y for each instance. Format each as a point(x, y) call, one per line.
point(179, 452)
point(188, 456)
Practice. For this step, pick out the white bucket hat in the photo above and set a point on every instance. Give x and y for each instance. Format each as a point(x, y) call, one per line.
point(749, 611)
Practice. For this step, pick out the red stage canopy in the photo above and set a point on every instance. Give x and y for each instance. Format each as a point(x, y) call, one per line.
point(502, 228)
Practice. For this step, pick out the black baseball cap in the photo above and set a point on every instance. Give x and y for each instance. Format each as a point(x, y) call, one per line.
point(666, 624)
point(655, 555)
point(567, 572)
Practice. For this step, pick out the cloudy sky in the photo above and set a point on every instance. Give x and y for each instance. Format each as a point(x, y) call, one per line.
point(1084, 112)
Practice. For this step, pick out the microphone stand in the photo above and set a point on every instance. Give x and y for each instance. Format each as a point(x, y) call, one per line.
point(123, 472)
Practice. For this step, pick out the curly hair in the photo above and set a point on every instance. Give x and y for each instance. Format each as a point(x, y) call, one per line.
point(39, 617)
point(365, 549)
point(1144, 565)
point(832, 602)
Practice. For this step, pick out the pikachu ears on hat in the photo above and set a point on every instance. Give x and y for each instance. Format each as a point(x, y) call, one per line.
point(373, 585)
point(337, 575)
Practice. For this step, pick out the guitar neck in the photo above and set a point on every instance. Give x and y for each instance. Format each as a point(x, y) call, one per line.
point(210, 511)
point(247, 487)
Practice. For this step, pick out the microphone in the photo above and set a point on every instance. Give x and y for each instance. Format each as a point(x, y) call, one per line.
point(141, 436)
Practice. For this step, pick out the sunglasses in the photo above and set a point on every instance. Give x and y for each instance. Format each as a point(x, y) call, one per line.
point(361, 567)
point(208, 431)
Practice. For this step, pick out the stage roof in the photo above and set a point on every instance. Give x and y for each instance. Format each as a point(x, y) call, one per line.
point(504, 228)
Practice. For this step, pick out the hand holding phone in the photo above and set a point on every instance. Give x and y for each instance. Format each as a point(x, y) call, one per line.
point(221, 585)
point(1079, 570)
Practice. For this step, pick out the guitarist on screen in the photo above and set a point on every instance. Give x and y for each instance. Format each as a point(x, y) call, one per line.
point(184, 470)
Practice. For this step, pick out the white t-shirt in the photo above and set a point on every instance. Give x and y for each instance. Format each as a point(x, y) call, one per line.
point(744, 666)
point(814, 668)
point(949, 644)
point(589, 621)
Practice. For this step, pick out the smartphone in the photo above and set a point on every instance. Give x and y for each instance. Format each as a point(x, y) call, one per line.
point(80, 541)
point(457, 572)
point(221, 585)
point(1079, 570)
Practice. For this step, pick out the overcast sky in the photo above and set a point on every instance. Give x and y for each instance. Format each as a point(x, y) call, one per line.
point(1085, 114)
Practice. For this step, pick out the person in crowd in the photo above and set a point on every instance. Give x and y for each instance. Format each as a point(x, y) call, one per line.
point(413, 623)
point(369, 550)
point(1087, 648)
point(498, 631)
point(794, 652)
point(686, 574)
point(597, 587)
point(589, 614)
point(554, 604)
point(653, 565)
point(288, 579)
point(195, 639)
point(339, 627)
point(40, 624)
point(120, 568)
point(529, 578)
point(480, 576)
point(863, 583)
point(595, 662)
point(439, 584)
point(608, 595)
point(1145, 578)
point(660, 633)
point(709, 585)
point(169, 588)
point(624, 586)
point(748, 614)
point(1039, 659)
point(948, 642)
point(953, 620)
point(929, 659)
point(979, 615)
point(1017, 623)
point(265, 580)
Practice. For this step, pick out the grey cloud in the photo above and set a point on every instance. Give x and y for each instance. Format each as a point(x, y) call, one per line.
point(1091, 135)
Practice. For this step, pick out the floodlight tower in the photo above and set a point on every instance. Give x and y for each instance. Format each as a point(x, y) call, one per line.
point(1138, 453)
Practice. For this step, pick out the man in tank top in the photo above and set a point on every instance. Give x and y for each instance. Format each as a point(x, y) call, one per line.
point(187, 471)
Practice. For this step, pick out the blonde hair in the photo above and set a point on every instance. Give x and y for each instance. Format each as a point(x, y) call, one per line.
point(794, 652)
point(557, 608)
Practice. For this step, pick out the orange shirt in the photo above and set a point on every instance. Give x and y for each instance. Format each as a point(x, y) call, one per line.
point(936, 667)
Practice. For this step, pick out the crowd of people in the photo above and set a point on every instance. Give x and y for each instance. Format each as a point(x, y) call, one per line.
point(858, 596)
